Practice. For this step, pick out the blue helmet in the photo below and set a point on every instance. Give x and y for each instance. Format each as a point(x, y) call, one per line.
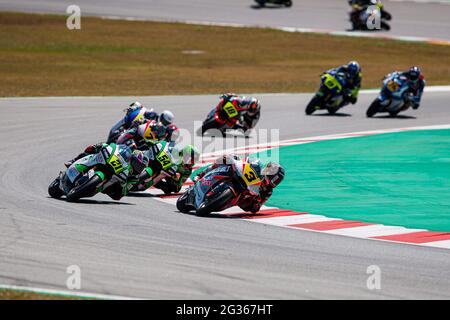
point(353, 68)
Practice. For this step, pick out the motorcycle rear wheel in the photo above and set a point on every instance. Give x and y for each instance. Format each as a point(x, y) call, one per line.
point(385, 26)
point(386, 15)
point(394, 113)
point(86, 190)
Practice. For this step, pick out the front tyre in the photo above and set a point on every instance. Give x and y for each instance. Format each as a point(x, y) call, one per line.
point(216, 203)
point(373, 109)
point(54, 190)
point(181, 203)
point(288, 3)
point(209, 124)
point(86, 190)
point(313, 105)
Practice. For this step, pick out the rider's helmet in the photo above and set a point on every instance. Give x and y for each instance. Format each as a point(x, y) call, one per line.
point(353, 68)
point(413, 74)
point(154, 131)
point(138, 161)
point(273, 174)
point(136, 105)
point(166, 117)
point(189, 155)
point(254, 106)
point(174, 132)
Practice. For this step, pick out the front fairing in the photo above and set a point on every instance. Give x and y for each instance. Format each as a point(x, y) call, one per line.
point(393, 93)
point(209, 182)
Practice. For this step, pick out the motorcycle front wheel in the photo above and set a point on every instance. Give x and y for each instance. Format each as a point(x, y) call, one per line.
point(313, 104)
point(209, 124)
point(373, 109)
point(216, 203)
point(86, 190)
point(181, 203)
point(54, 190)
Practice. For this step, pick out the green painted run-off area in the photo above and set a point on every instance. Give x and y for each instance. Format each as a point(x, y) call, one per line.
point(394, 179)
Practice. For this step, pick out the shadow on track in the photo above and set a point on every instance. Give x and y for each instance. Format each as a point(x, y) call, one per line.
point(149, 195)
point(225, 216)
point(404, 117)
point(100, 202)
point(273, 6)
point(338, 114)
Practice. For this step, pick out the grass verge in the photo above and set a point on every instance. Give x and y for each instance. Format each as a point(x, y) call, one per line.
point(7, 294)
point(39, 56)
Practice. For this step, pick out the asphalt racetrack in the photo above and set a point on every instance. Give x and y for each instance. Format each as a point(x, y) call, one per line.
point(140, 247)
point(409, 18)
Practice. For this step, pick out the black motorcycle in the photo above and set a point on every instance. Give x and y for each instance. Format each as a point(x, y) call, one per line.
point(359, 17)
point(262, 3)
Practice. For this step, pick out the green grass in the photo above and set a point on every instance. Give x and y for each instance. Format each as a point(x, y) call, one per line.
point(41, 57)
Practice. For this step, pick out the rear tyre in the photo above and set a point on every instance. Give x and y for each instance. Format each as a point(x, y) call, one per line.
point(386, 15)
point(385, 26)
point(373, 109)
point(181, 203)
point(53, 189)
point(216, 203)
point(86, 190)
point(394, 113)
point(332, 111)
point(313, 104)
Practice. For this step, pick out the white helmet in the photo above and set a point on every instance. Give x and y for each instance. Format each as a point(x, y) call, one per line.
point(166, 118)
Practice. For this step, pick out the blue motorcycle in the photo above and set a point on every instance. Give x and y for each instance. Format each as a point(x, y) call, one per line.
point(393, 98)
point(134, 115)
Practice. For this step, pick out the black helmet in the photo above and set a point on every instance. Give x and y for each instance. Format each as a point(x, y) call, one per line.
point(273, 174)
point(253, 105)
point(413, 74)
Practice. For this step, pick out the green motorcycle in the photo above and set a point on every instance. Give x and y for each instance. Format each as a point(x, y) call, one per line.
point(106, 171)
point(161, 164)
point(330, 95)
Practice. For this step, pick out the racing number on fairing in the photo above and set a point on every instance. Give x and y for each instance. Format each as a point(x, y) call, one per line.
point(116, 164)
point(249, 175)
point(393, 86)
point(164, 159)
point(230, 109)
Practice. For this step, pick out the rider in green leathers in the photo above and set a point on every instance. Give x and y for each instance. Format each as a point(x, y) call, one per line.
point(168, 168)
